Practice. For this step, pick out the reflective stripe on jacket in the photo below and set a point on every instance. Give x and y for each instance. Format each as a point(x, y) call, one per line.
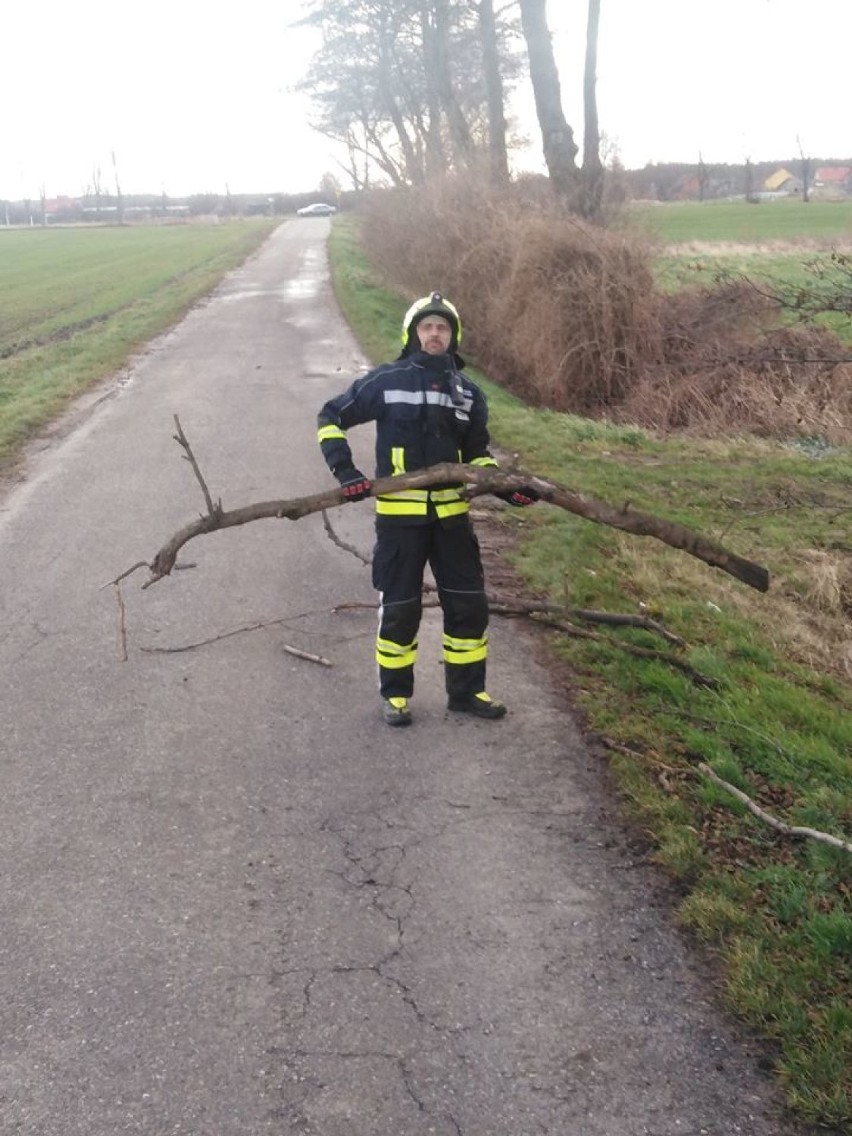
point(418, 424)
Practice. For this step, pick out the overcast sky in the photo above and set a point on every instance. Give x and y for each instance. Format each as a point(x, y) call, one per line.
point(194, 97)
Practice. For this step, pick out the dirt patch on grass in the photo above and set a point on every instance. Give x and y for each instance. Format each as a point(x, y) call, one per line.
point(795, 247)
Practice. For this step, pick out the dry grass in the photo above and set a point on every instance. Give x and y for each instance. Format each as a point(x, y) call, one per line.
point(568, 316)
point(810, 626)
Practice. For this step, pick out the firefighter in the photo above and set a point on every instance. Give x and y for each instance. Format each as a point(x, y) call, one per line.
point(426, 411)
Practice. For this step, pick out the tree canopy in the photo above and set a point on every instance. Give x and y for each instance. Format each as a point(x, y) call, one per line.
point(415, 87)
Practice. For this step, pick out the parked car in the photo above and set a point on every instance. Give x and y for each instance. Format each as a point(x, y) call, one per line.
point(318, 209)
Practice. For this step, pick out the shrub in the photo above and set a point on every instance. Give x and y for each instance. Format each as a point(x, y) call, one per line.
point(567, 314)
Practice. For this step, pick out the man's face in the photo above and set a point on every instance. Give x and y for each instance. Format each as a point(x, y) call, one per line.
point(435, 335)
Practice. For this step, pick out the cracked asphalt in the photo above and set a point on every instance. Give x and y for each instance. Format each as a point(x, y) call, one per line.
point(233, 902)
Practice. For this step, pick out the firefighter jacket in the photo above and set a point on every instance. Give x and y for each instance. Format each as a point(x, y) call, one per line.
point(426, 411)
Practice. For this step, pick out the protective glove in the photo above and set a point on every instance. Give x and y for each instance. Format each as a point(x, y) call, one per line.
point(353, 482)
point(520, 497)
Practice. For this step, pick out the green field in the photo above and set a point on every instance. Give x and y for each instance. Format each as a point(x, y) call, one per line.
point(77, 302)
point(742, 222)
point(784, 243)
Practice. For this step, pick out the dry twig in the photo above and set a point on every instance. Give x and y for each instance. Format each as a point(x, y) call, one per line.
point(181, 439)
point(774, 822)
point(335, 539)
point(613, 619)
point(258, 626)
point(122, 623)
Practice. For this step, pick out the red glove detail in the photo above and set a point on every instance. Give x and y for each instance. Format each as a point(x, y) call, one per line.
point(354, 484)
point(520, 497)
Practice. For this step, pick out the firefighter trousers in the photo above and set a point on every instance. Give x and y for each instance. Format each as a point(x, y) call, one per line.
point(400, 557)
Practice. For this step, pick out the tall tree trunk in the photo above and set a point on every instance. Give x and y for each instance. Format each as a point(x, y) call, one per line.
point(435, 158)
point(498, 158)
point(592, 178)
point(413, 164)
point(459, 129)
point(806, 172)
point(560, 149)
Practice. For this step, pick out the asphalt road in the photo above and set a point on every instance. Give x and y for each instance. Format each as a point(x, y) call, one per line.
point(232, 900)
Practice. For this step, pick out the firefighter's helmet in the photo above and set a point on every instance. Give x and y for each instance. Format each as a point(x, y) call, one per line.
point(434, 305)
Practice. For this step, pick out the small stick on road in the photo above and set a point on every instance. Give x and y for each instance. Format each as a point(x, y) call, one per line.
point(259, 626)
point(122, 623)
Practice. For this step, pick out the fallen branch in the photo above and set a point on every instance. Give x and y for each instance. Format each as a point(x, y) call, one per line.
point(122, 623)
point(540, 613)
point(774, 822)
point(259, 626)
point(477, 481)
point(612, 619)
point(574, 632)
point(335, 539)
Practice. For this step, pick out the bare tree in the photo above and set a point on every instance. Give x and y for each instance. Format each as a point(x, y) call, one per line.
point(118, 198)
point(749, 181)
point(560, 149)
point(592, 177)
point(498, 159)
point(364, 81)
point(417, 85)
point(806, 172)
point(97, 190)
point(435, 159)
point(703, 177)
point(459, 129)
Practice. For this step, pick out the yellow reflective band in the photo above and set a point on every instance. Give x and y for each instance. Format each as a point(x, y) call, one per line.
point(401, 508)
point(452, 510)
point(445, 495)
point(461, 658)
point(327, 433)
point(484, 461)
point(393, 664)
point(452, 644)
point(406, 495)
point(396, 662)
point(398, 459)
point(388, 647)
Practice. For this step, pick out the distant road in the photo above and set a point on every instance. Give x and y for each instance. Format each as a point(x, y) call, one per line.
point(233, 902)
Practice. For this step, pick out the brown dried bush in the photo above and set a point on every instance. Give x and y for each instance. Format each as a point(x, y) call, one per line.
point(567, 315)
point(726, 370)
point(562, 312)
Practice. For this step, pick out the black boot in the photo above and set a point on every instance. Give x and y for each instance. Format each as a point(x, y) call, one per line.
point(395, 711)
point(481, 705)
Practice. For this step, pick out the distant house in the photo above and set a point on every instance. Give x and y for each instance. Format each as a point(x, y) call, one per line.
point(59, 209)
point(833, 181)
point(782, 181)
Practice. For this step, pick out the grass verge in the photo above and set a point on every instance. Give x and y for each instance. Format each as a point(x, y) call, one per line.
point(774, 719)
point(78, 302)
